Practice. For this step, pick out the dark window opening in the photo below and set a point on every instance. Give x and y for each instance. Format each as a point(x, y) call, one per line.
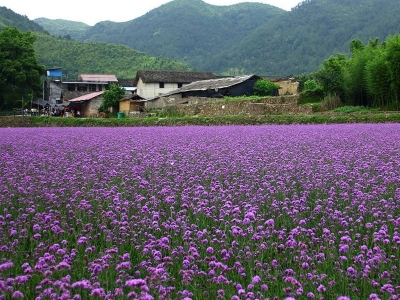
point(180, 85)
point(82, 88)
point(161, 85)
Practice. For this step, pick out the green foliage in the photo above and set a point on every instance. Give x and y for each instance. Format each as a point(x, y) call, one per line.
point(371, 76)
point(264, 87)
point(160, 33)
point(351, 109)
point(312, 92)
point(331, 75)
point(252, 38)
point(167, 112)
point(392, 51)
point(20, 73)
point(8, 18)
point(77, 57)
point(331, 118)
point(312, 96)
point(64, 28)
point(299, 41)
point(311, 85)
point(377, 81)
point(111, 96)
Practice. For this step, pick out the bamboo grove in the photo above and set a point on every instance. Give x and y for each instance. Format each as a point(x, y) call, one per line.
point(369, 77)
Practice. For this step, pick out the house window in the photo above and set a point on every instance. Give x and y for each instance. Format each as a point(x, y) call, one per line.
point(82, 88)
point(179, 85)
point(71, 87)
point(161, 85)
point(92, 87)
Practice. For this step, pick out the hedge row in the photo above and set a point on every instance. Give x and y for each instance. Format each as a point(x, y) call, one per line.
point(201, 121)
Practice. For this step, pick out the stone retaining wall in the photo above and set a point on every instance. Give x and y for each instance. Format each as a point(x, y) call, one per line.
point(15, 121)
point(267, 106)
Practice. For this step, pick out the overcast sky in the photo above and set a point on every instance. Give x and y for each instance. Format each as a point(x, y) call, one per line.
point(91, 12)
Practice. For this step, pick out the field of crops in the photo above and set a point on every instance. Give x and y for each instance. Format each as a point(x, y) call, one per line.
point(219, 212)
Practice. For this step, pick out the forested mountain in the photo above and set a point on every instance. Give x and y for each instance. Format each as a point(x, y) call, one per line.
point(191, 31)
point(9, 18)
point(252, 37)
point(313, 31)
point(96, 57)
point(85, 57)
point(237, 39)
point(64, 28)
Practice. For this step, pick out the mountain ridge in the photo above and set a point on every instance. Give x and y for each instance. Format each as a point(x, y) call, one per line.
point(245, 38)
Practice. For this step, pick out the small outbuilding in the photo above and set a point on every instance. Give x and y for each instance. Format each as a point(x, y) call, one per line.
point(87, 105)
point(132, 104)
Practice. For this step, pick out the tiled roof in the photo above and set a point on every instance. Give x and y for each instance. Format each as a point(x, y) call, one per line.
point(173, 76)
point(98, 77)
point(125, 82)
point(132, 97)
point(211, 84)
point(87, 97)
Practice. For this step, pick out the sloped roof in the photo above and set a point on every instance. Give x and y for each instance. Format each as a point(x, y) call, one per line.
point(132, 97)
point(277, 78)
point(211, 84)
point(173, 76)
point(87, 97)
point(98, 77)
point(125, 82)
point(41, 102)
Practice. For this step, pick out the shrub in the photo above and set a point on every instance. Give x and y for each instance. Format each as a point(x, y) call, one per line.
point(311, 96)
point(264, 87)
point(330, 102)
point(350, 109)
point(168, 112)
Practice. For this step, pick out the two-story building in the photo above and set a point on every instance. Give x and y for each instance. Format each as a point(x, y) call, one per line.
point(150, 84)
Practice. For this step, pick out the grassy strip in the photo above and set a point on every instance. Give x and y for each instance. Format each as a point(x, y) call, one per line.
point(205, 121)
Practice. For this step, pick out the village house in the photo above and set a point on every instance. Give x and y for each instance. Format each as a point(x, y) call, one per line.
point(212, 88)
point(77, 94)
point(153, 83)
point(87, 105)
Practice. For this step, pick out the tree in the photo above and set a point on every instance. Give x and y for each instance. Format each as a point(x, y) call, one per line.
point(312, 92)
point(377, 78)
point(331, 75)
point(111, 96)
point(393, 59)
point(264, 87)
point(20, 72)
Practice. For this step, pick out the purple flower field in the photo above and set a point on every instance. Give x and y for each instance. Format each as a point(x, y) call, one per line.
point(235, 212)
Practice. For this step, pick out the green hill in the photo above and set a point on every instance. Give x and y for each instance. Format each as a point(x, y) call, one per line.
point(236, 39)
point(95, 57)
point(64, 28)
point(191, 31)
point(85, 57)
point(252, 37)
point(313, 31)
point(9, 18)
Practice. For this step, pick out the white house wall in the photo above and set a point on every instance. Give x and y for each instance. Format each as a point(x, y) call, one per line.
point(151, 90)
